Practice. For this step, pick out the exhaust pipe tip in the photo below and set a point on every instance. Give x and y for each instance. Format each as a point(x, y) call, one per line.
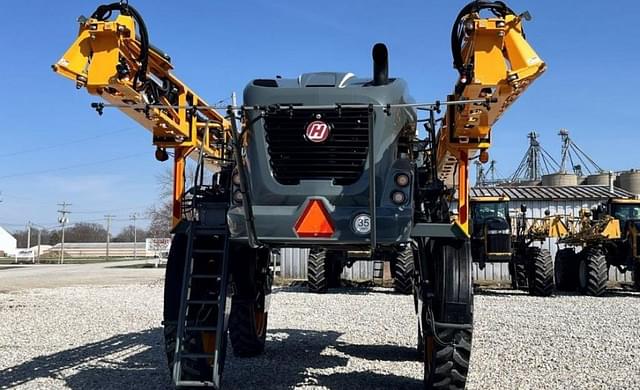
point(380, 56)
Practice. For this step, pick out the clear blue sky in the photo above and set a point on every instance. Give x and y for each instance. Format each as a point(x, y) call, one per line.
point(218, 46)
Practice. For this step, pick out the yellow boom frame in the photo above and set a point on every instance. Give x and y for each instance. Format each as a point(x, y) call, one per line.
point(504, 65)
point(92, 61)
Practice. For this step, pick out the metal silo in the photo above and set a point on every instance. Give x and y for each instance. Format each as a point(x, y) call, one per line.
point(560, 179)
point(630, 181)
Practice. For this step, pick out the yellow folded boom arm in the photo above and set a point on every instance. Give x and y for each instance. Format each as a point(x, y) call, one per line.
point(111, 61)
point(496, 63)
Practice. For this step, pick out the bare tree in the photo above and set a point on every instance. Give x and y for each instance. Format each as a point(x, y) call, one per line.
point(79, 232)
point(85, 232)
point(21, 238)
point(126, 234)
point(161, 218)
point(161, 214)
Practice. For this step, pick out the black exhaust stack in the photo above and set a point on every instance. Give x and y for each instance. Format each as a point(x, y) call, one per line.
point(380, 64)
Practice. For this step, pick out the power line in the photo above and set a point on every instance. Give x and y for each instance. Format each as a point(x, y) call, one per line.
point(71, 166)
point(110, 210)
point(62, 144)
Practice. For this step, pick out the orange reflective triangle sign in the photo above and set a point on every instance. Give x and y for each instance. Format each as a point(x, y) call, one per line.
point(314, 221)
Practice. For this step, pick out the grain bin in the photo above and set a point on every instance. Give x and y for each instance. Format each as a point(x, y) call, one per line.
point(560, 179)
point(630, 181)
point(529, 183)
point(598, 179)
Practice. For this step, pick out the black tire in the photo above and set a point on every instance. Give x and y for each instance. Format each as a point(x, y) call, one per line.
point(593, 272)
point(249, 312)
point(636, 275)
point(317, 272)
point(518, 271)
point(566, 270)
point(451, 365)
point(540, 272)
point(420, 343)
point(195, 369)
point(247, 329)
point(403, 271)
point(447, 350)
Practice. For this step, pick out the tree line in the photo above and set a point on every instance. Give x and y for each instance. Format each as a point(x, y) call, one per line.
point(80, 232)
point(159, 215)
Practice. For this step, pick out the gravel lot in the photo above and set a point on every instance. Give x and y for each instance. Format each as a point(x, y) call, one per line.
point(93, 336)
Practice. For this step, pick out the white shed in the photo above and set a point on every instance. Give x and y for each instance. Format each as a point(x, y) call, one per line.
point(8, 243)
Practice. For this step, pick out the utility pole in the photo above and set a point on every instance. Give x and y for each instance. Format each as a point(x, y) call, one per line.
point(108, 217)
point(63, 219)
point(39, 243)
point(29, 235)
point(134, 216)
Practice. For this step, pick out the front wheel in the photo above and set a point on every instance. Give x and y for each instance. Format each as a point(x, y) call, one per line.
point(540, 272)
point(447, 319)
point(593, 272)
point(636, 275)
point(250, 307)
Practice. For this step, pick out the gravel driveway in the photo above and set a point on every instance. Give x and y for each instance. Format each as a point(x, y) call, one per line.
point(89, 337)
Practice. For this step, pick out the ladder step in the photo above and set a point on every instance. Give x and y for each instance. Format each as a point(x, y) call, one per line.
point(208, 251)
point(197, 355)
point(195, 384)
point(201, 328)
point(202, 302)
point(204, 231)
point(203, 276)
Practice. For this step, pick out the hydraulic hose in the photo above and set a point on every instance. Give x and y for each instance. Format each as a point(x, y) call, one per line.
point(498, 8)
point(104, 12)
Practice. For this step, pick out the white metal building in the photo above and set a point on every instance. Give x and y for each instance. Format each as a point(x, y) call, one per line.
point(567, 200)
point(8, 243)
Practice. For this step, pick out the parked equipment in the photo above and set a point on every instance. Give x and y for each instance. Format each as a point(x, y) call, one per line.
point(494, 240)
point(327, 161)
point(325, 267)
point(598, 239)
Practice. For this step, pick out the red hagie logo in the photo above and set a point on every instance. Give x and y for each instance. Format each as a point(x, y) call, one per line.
point(317, 131)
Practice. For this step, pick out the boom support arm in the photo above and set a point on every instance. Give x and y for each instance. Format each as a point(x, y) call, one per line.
point(496, 63)
point(114, 60)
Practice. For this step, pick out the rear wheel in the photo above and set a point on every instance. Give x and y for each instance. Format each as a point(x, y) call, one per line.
point(540, 271)
point(518, 272)
point(448, 321)
point(593, 272)
point(636, 275)
point(250, 308)
point(566, 270)
point(323, 270)
point(403, 271)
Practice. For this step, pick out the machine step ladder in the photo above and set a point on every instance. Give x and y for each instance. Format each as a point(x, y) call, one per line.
point(205, 305)
point(378, 270)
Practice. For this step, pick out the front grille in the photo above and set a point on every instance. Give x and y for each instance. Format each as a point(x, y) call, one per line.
point(340, 158)
point(498, 243)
